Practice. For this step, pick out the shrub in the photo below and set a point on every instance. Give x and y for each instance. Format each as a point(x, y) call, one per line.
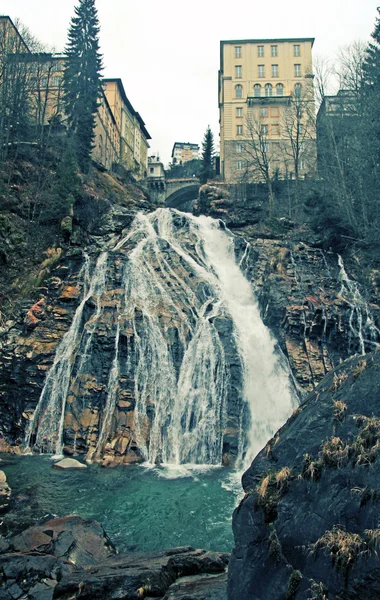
point(335, 453)
point(343, 546)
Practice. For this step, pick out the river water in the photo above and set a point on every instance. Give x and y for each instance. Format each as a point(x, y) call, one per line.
point(140, 508)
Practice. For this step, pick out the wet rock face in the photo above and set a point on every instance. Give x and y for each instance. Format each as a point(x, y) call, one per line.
point(128, 306)
point(308, 525)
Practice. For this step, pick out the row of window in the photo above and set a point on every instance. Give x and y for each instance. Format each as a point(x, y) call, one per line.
point(273, 50)
point(274, 129)
point(264, 111)
point(261, 71)
point(242, 164)
point(268, 90)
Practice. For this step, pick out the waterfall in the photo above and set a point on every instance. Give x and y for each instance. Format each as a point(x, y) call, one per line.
point(201, 360)
point(48, 418)
point(361, 322)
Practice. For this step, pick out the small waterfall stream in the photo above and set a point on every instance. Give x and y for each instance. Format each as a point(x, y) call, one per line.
point(361, 322)
point(185, 305)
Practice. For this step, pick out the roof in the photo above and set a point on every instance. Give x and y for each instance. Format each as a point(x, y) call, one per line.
point(262, 41)
point(124, 96)
point(7, 18)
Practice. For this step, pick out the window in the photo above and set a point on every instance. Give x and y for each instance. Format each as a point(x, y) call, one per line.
point(274, 111)
point(237, 51)
point(239, 129)
point(297, 70)
point(297, 50)
point(274, 70)
point(257, 90)
point(265, 147)
point(238, 91)
point(274, 50)
point(260, 50)
point(238, 72)
point(300, 128)
point(264, 129)
point(263, 111)
point(275, 129)
point(298, 90)
point(280, 89)
point(268, 89)
point(151, 170)
point(239, 165)
point(239, 148)
point(55, 81)
point(260, 71)
point(239, 112)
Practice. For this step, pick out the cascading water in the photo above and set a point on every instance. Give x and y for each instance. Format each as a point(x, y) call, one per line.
point(363, 330)
point(48, 419)
point(188, 334)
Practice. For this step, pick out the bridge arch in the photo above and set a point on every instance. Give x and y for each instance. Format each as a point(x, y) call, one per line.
point(182, 196)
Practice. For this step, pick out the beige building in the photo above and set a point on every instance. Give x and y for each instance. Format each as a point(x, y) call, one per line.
point(120, 133)
point(133, 151)
point(183, 152)
point(266, 104)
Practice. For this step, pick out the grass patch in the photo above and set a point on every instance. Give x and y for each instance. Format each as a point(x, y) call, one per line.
point(366, 446)
point(269, 491)
point(339, 411)
point(335, 453)
point(345, 547)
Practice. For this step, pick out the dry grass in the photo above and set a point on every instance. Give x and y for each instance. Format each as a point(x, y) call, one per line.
point(367, 443)
point(339, 411)
point(335, 453)
point(262, 489)
point(283, 478)
point(339, 379)
point(372, 537)
point(311, 469)
point(318, 591)
point(343, 546)
point(359, 368)
point(269, 491)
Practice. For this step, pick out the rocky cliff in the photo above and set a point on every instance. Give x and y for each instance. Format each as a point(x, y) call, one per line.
point(308, 526)
point(317, 313)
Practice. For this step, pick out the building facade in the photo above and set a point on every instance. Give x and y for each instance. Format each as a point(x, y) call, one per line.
point(133, 151)
point(120, 133)
point(266, 108)
point(183, 152)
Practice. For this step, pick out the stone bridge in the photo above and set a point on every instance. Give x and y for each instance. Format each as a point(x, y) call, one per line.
point(174, 193)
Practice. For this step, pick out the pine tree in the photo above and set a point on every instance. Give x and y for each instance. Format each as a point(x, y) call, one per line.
point(370, 95)
point(207, 155)
point(81, 80)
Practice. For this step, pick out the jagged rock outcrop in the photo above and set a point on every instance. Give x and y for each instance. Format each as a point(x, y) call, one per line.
point(308, 526)
point(73, 558)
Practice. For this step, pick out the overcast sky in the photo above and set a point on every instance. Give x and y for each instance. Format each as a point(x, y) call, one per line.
point(167, 51)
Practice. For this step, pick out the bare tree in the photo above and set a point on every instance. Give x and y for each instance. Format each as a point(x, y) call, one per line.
point(349, 67)
point(324, 72)
point(259, 153)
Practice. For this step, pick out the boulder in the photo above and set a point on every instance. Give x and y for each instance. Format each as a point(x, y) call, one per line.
point(69, 463)
point(309, 521)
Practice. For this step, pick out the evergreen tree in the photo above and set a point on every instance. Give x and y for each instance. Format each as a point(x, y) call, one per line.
point(371, 91)
point(207, 155)
point(82, 79)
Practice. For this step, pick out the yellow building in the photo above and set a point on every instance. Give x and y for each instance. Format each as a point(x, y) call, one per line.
point(266, 104)
point(133, 154)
